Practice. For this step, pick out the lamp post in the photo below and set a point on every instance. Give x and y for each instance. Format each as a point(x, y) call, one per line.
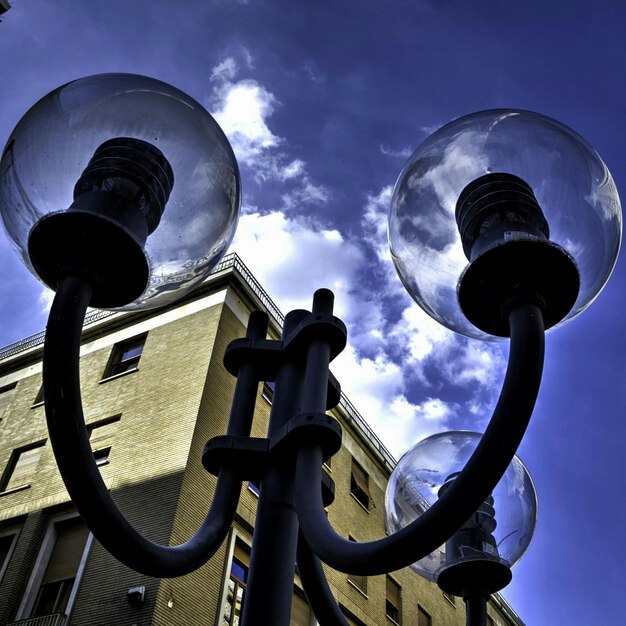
point(122, 192)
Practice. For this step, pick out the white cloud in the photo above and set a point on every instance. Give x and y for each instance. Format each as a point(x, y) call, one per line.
point(244, 108)
point(294, 256)
point(404, 153)
point(307, 193)
point(226, 70)
point(421, 334)
point(476, 363)
point(46, 297)
point(375, 217)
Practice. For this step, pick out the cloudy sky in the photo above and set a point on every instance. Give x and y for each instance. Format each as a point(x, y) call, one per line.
point(323, 103)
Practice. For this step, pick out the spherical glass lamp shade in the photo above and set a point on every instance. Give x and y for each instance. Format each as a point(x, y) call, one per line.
point(132, 173)
point(504, 525)
point(556, 183)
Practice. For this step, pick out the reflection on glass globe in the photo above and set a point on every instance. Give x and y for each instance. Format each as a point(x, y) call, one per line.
point(576, 203)
point(143, 142)
point(415, 484)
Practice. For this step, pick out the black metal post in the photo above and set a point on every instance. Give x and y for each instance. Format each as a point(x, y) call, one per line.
point(475, 610)
point(272, 563)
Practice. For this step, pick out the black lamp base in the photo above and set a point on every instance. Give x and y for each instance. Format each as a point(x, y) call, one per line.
point(474, 577)
point(531, 269)
point(82, 243)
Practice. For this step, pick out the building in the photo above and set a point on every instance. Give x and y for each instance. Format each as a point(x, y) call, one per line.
point(154, 391)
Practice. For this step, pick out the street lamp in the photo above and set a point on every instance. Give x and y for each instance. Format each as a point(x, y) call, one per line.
point(475, 562)
point(523, 198)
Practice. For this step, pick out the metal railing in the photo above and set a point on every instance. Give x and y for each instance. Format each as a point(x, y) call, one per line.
point(229, 262)
point(54, 619)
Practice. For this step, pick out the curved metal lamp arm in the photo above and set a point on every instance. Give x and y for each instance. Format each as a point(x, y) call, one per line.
point(70, 443)
point(479, 477)
point(318, 593)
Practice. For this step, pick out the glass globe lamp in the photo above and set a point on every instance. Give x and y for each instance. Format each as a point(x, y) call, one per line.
point(500, 198)
point(498, 533)
point(130, 174)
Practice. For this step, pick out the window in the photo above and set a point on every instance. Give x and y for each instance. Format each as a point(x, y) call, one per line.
point(423, 618)
point(7, 543)
point(268, 391)
point(6, 394)
point(21, 468)
point(352, 619)
point(125, 357)
point(39, 397)
point(359, 486)
point(236, 585)
point(101, 438)
point(300, 610)
point(58, 578)
point(360, 582)
point(450, 598)
point(392, 603)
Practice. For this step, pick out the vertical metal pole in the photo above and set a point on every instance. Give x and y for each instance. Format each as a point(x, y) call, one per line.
point(272, 562)
point(476, 610)
point(317, 359)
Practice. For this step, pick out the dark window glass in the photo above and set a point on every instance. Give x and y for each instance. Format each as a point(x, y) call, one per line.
point(359, 485)
point(125, 356)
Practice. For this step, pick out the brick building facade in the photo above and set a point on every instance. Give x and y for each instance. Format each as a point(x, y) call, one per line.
point(154, 391)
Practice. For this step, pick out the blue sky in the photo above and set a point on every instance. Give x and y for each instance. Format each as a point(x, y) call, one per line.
point(323, 103)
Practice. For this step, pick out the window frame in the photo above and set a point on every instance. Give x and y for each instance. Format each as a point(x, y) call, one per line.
point(41, 563)
point(101, 455)
point(14, 532)
point(9, 389)
point(118, 351)
point(450, 598)
point(39, 399)
point(359, 582)
point(421, 609)
point(12, 464)
point(301, 596)
point(267, 391)
point(359, 486)
point(397, 587)
point(244, 543)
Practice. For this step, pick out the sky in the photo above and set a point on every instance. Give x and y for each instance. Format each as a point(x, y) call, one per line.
point(323, 103)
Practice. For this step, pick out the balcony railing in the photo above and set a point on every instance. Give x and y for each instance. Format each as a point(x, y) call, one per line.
point(54, 619)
